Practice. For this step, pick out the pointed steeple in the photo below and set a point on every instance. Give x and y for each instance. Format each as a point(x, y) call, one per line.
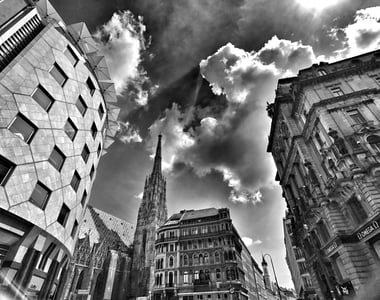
point(157, 158)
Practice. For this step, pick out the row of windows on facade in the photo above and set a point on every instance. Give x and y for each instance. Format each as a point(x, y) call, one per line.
point(198, 275)
point(195, 244)
point(206, 229)
point(222, 215)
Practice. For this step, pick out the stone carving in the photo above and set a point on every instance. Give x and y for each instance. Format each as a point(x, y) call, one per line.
point(338, 142)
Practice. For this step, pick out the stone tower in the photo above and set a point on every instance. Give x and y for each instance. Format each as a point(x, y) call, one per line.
point(266, 274)
point(152, 214)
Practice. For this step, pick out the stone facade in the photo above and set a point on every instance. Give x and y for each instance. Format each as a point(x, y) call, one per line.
point(151, 215)
point(297, 264)
point(100, 268)
point(325, 141)
point(199, 255)
point(54, 126)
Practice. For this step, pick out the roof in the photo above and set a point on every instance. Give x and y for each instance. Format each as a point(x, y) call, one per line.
point(97, 223)
point(200, 213)
point(10, 8)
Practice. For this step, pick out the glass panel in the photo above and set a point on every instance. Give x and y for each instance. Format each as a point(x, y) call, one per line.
point(94, 130)
point(75, 181)
point(23, 128)
point(57, 158)
point(5, 169)
point(85, 153)
point(42, 98)
point(63, 214)
point(71, 56)
point(90, 86)
point(81, 105)
point(70, 129)
point(40, 195)
point(58, 74)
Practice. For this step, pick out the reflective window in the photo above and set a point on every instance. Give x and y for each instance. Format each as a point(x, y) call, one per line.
point(81, 105)
point(23, 128)
point(70, 129)
point(57, 158)
point(63, 215)
point(43, 98)
point(90, 85)
point(58, 74)
point(40, 195)
point(85, 153)
point(75, 181)
point(6, 169)
point(71, 55)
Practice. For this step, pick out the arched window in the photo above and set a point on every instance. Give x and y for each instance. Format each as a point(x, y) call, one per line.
point(206, 258)
point(171, 261)
point(201, 261)
point(185, 260)
point(323, 231)
point(217, 257)
point(195, 260)
point(357, 210)
point(160, 279)
point(374, 141)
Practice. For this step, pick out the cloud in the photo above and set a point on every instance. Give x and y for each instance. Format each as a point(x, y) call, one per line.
point(122, 42)
point(250, 242)
point(362, 35)
point(127, 133)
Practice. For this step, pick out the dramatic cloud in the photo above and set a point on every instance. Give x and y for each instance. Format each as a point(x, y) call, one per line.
point(122, 42)
point(128, 133)
point(233, 140)
point(361, 36)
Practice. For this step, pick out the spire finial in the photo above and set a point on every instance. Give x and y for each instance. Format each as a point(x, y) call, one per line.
point(157, 158)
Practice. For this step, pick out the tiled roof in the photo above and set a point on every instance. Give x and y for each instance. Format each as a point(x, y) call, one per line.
point(99, 225)
point(201, 213)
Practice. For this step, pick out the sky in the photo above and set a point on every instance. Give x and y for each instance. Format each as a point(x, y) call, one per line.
point(201, 73)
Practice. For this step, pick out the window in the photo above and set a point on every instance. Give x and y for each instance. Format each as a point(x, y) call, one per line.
point(57, 158)
point(63, 215)
point(374, 141)
point(171, 261)
point(85, 153)
point(101, 111)
point(171, 246)
point(43, 98)
point(206, 258)
point(45, 256)
point(218, 274)
point(23, 128)
point(323, 231)
point(58, 74)
point(185, 260)
point(185, 277)
point(195, 260)
point(99, 150)
point(196, 275)
point(217, 257)
point(81, 105)
point(84, 198)
point(70, 129)
point(71, 55)
point(302, 267)
point(40, 195)
point(75, 181)
point(356, 116)
point(337, 91)
point(322, 72)
point(357, 210)
point(6, 169)
point(74, 230)
point(94, 130)
point(92, 172)
point(377, 79)
point(90, 85)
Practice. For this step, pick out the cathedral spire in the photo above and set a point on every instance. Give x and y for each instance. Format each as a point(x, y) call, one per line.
point(157, 158)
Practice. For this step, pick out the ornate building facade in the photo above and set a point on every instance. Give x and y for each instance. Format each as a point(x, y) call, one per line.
point(151, 215)
point(297, 264)
point(101, 263)
point(56, 119)
point(325, 141)
point(199, 255)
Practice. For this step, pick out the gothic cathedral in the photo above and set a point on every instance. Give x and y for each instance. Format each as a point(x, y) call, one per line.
point(152, 214)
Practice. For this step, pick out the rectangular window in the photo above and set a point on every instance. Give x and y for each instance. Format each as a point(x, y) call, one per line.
point(85, 153)
point(74, 230)
point(302, 267)
point(43, 98)
point(357, 210)
point(58, 74)
point(63, 215)
point(185, 277)
point(84, 198)
point(6, 169)
point(40, 195)
point(71, 55)
point(23, 128)
point(70, 129)
point(336, 91)
point(101, 111)
point(75, 181)
point(57, 158)
point(356, 116)
point(94, 130)
point(90, 86)
point(322, 72)
point(81, 105)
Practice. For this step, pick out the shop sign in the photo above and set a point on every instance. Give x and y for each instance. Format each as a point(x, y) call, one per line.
point(374, 226)
point(345, 289)
point(332, 246)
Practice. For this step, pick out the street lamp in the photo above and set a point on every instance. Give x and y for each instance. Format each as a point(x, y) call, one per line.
point(275, 277)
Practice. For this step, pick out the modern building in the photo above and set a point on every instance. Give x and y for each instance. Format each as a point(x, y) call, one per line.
point(325, 141)
point(297, 264)
point(56, 119)
point(100, 268)
point(199, 255)
point(151, 215)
